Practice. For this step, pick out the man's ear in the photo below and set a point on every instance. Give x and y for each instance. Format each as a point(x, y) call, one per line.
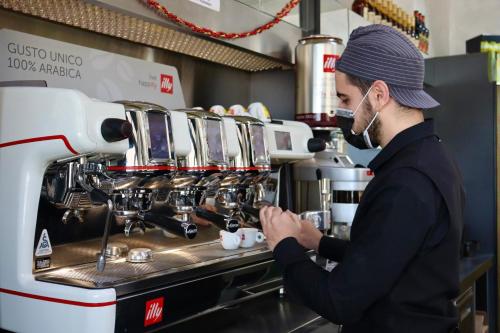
point(380, 95)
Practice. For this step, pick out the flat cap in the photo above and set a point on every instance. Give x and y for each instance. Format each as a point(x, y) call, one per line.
point(379, 52)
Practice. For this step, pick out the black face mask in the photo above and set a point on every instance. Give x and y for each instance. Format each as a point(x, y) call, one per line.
point(355, 140)
point(345, 125)
point(345, 120)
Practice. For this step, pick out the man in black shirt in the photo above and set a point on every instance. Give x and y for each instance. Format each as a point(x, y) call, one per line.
point(400, 270)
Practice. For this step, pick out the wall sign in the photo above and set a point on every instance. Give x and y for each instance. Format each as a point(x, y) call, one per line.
point(98, 74)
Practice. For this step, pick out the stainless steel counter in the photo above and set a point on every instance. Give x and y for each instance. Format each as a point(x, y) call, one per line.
point(268, 313)
point(272, 313)
point(472, 268)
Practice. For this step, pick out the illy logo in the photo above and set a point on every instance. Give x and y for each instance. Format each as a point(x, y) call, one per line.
point(166, 84)
point(329, 61)
point(154, 311)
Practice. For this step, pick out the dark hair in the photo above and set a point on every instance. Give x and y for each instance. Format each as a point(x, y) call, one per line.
point(364, 86)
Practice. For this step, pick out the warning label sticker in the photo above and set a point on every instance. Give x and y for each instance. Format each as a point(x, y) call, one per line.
point(43, 248)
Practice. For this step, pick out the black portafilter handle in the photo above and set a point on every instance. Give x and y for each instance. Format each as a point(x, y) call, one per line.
point(315, 145)
point(250, 210)
point(170, 224)
point(222, 221)
point(115, 129)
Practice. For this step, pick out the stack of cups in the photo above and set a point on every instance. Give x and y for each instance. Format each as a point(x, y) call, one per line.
point(256, 110)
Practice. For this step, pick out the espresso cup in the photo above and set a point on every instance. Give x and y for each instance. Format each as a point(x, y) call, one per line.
point(229, 240)
point(249, 236)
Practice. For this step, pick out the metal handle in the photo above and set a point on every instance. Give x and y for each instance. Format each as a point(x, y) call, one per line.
point(246, 208)
point(222, 221)
point(177, 227)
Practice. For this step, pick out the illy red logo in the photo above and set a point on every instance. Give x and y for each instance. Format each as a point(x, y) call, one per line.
point(329, 61)
point(166, 84)
point(154, 311)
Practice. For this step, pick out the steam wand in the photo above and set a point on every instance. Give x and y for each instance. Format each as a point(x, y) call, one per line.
point(96, 195)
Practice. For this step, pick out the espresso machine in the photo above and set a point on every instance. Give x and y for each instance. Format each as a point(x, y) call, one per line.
point(98, 198)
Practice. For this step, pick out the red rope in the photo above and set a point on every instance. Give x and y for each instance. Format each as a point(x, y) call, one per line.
point(220, 34)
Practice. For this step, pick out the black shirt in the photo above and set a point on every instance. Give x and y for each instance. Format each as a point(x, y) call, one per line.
point(400, 270)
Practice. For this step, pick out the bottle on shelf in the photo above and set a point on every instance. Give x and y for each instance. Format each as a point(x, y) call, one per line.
point(399, 18)
point(417, 24)
point(383, 14)
point(392, 10)
point(370, 11)
point(377, 11)
point(426, 33)
point(360, 7)
point(406, 28)
point(411, 23)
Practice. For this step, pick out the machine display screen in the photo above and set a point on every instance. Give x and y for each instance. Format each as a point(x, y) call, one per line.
point(214, 139)
point(158, 136)
point(283, 140)
point(259, 149)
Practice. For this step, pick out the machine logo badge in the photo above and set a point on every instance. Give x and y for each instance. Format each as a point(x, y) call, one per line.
point(43, 248)
point(329, 61)
point(166, 84)
point(154, 311)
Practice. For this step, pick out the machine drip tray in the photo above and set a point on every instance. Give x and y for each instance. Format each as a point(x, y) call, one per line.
point(167, 261)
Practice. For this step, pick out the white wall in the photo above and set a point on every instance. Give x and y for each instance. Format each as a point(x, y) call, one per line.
point(471, 18)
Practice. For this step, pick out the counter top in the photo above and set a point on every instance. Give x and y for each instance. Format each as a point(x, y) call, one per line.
point(277, 314)
point(269, 313)
point(471, 268)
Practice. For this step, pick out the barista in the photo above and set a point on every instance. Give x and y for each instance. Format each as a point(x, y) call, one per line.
point(400, 270)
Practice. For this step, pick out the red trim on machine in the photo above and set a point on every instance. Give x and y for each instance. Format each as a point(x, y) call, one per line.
point(56, 300)
point(249, 168)
point(202, 168)
point(141, 168)
point(41, 138)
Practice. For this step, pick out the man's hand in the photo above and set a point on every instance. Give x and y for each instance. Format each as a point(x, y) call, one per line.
point(278, 225)
point(309, 236)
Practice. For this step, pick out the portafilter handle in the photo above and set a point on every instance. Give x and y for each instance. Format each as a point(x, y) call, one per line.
point(250, 210)
point(177, 227)
point(222, 221)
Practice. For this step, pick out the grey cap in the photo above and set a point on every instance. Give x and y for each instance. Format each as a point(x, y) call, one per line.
point(379, 52)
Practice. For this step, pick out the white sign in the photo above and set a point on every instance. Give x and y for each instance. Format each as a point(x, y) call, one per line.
point(212, 4)
point(43, 248)
point(98, 74)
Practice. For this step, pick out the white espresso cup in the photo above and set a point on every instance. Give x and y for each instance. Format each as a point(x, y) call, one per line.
point(249, 236)
point(229, 240)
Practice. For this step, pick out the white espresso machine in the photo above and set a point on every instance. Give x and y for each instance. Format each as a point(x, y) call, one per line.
point(75, 172)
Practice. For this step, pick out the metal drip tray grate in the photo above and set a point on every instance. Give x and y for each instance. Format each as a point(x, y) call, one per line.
point(164, 262)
